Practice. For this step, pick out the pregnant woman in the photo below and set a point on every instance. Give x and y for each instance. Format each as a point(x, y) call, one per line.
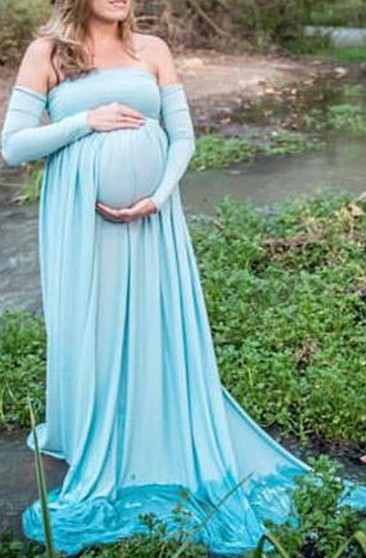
point(134, 402)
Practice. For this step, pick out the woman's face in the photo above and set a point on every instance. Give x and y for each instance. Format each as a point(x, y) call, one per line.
point(110, 10)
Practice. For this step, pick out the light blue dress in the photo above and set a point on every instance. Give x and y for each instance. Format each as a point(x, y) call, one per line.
point(134, 402)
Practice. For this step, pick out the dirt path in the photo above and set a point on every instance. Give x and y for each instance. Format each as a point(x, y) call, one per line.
point(215, 83)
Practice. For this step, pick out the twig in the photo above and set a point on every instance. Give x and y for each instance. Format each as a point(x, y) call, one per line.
point(208, 517)
point(207, 18)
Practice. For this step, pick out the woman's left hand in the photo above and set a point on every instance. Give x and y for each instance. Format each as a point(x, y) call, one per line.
point(142, 208)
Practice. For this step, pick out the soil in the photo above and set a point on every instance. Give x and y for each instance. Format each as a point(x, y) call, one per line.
point(216, 83)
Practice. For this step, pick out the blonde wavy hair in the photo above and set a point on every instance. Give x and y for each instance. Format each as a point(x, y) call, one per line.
point(66, 29)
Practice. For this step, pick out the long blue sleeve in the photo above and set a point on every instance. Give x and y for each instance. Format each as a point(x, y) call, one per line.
point(24, 140)
point(179, 127)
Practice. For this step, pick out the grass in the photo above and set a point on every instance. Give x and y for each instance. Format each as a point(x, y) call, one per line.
point(348, 55)
point(347, 118)
point(319, 526)
point(215, 151)
point(42, 488)
point(22, 366)
point(285, 298)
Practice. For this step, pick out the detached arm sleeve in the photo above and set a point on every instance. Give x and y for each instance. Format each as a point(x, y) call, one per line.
point(178, 124)
point(24, 140)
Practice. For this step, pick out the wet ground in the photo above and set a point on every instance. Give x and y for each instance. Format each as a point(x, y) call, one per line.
point(18, 486)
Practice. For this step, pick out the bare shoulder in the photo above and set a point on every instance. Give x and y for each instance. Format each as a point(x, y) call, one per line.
point(39, 47)
point(160, 56)
point(147, 40)
point(34, 69)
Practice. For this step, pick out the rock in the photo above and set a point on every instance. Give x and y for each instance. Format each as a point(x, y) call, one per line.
point(340, 72)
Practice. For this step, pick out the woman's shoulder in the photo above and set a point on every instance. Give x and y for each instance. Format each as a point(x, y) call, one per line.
point(148, 40)
point(34, 69)
point(40, 48)
point(161, 57)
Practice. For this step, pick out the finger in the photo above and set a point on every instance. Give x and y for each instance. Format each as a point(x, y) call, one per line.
point(113, 213)
point(105, 216)
point(144, 207)
point(116, 125)
point(131, 112)
point(125, 213)
point(129, 117)
point(108, 207)
point(122, 113)
point(130, 214)
point(110, 218)
point(126, 121)
point(105, 206)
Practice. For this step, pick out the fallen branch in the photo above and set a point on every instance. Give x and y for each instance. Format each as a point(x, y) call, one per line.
point(283, 244)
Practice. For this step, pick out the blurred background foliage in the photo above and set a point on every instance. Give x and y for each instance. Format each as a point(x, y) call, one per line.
point(221, 24)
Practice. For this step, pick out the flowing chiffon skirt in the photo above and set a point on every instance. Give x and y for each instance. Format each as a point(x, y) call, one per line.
point(134, 402)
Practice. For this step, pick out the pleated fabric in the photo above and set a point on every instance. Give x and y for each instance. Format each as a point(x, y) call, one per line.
point(134, 402)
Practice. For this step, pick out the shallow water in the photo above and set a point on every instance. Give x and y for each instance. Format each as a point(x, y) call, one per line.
point(338, 36)
point(268, 181)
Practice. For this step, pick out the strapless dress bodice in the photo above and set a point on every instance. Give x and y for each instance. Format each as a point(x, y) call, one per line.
point(129, 161)
point(129, 85)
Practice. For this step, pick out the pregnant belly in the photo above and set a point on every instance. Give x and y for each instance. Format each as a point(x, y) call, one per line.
point(131, 163)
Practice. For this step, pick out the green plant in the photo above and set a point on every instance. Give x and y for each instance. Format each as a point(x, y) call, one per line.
point(190, 534)
point(42, 489)
point(349, 54)
point(283, 142)
point(213, 150)
point(22, 366)
point(285, 302)
point(347, 118)
point(271, 539)
point(33, 185)
point(321, 525)
point(13, 548)
point(155, 543)
point(359, 537)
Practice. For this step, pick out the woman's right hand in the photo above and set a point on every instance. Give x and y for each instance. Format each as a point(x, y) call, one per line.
point(114, 116)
